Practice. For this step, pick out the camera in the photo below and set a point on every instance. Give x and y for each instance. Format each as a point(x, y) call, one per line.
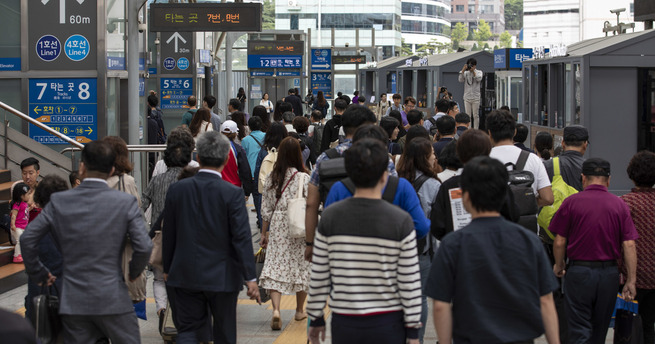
point(143, 27)
point(442, 90)
point(469, 66)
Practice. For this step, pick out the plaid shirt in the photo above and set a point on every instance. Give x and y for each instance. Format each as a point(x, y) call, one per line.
point(342, 147)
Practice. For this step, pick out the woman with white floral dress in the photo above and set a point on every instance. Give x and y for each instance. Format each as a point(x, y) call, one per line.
point(285, 269)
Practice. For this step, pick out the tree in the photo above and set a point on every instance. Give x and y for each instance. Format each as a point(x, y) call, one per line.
point(268, 15)
point(483, 33)
point(513, 14)
point(405, 49)
point(475, 47)
point(433, 47)
point(458, 34)
point(505, 40)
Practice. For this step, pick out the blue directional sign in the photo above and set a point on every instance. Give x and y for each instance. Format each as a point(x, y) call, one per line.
point(322, 81)
point(77, 47)
point(48, 48)
point(169, 63)
point(274, 61)
point(262, 73)
point(175, 91)
point(288, 73)
point(321, 59)
point(9, 63)
point(517, 56)
point(183, 63)
point(69, 106)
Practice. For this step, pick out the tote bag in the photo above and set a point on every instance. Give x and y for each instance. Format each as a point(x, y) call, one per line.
point(296, 211)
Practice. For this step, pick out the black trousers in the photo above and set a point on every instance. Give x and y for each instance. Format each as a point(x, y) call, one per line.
point(388, 328)
point(646, 298)
point(590, 295)
point(191, 312)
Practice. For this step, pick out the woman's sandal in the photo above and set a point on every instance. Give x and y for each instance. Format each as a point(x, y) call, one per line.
point(276, 322)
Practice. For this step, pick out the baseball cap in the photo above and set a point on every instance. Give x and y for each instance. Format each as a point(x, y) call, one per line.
point(596, 167)
point(229, 127)
point(575, 133)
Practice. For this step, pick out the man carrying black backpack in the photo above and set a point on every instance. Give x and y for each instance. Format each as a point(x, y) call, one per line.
point(502, 127)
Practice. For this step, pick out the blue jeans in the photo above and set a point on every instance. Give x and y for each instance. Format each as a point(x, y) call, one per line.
point(590, 295)
point(257, 200)
point(424, 263)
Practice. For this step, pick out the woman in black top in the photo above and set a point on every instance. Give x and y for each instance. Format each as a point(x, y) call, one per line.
point(242, 98)
point(321, 104)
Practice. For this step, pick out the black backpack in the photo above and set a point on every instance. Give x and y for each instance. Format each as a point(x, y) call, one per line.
point(334, 170)
point(520, 184)
point(433, 128)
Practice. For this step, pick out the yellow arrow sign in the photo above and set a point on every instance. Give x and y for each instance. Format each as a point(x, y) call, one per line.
point(44, 119)
point(89, 131)
point(82, 139)
point(36, 110)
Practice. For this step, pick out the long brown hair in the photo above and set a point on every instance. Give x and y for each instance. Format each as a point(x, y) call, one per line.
point(416, 158)
point(288, 156)
point(240, 119)
point(320, 99)
point(200, 116)
point(122, 163)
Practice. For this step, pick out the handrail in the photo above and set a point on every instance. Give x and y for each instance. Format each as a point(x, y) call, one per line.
point(130, 148)
point(41, 125)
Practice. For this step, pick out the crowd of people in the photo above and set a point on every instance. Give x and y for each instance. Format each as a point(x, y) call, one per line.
point(375, 213)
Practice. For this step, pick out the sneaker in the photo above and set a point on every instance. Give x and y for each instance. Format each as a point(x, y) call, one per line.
point(18, 259)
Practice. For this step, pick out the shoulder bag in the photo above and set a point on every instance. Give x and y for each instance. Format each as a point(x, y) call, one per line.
point(46, 315)
point(296, 212)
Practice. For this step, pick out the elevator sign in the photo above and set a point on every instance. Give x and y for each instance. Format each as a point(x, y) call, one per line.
point(65, 35)
point(69, 106)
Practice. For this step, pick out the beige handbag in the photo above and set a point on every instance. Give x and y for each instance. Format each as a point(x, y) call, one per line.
point(156, 259)
point(136, 289)
point(296, 211)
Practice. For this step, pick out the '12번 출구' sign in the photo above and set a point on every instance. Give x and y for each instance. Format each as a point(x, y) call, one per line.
point(69, 106)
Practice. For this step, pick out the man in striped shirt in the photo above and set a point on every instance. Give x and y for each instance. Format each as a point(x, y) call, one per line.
point(365, 261)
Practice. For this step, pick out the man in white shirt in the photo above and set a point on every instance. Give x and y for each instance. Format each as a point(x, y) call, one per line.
point(502, 128)
point(471, 77)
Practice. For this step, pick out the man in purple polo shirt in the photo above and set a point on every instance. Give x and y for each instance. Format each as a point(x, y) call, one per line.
point(592, 226)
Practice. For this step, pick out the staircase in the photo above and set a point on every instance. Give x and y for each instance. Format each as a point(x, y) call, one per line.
point(11, 275)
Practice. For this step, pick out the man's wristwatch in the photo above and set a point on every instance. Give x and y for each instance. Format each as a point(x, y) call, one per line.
point(309, 243)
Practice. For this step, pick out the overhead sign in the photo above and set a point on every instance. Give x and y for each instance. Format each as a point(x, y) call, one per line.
point(349, 59)
point(9, 63)
point(321, 59)
point(289, 73)
point(192, 17)
point(175, 91)
point(262, 73)
point(276, 47)
point(517, 56)
point(274, 61)
point(177, 53)
point(65, 35)
point(69, 106)
point(322, 81)
point(500, 59)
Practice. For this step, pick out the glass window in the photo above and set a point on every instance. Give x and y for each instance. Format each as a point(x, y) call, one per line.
point(516, 96)
point(10, 94)
point(10, 26)
point(357, 20)
point(486, 8)
point(294, 22)
point(471, 8)
point(568, 106)
point(116, 29)
point(459, 8)
point(577, 75)
point(526, 94)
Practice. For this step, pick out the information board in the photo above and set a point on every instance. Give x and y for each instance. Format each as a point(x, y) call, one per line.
point(69, 106)
point(322, 81)
point(193, 17)
point(175, 91)
point(321, 59)
point(276, 47)
point(349, 59)
point(177, 53)
point(63, 35)
point(274, 61)
point(9, 63)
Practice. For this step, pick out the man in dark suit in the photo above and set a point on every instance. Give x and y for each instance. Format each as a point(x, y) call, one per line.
point(207, 246)
point(90, 225)
point(295, 102)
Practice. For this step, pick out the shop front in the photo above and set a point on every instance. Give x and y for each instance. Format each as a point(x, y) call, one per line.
point(606, 84)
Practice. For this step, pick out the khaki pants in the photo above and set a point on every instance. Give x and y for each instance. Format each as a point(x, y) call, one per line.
point(472, 109)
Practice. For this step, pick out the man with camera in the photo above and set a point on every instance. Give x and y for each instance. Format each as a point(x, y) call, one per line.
point(471, 77)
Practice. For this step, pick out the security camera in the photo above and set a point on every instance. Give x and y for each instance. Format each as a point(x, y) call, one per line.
point(617, 10)
point(347, 44)
point(157, 41)
point(143, 27)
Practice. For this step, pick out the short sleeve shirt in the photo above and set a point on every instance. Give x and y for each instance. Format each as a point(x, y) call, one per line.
point(496, 270)
point(595, 224)
point(510, 153)
point(22, 218)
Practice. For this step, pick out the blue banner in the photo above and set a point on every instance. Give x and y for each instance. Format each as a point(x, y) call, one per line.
point(321, 59)
point(517, 56)
point(69, 106)
point(9, 63)
point(322, 81)
point(274, 61)
point(175, 91)
point(500, 59)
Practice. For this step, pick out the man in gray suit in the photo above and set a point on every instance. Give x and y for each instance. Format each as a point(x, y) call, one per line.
point(207, 246)
point(90, 225)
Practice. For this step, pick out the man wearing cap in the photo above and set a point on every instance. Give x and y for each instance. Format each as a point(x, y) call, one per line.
point(592, 228)
point(574, 145)
point(237, 168)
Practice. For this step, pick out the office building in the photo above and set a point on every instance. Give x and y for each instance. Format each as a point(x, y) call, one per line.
point(470, 12)
point(424, 21)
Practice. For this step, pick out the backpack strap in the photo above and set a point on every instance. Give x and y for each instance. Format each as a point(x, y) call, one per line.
point(556, 166)
point(432, 120)
point(332, 153)
point(349, 184)
point(418, 182)
point(259, 143)
point(390, 191)
point(523, 158)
